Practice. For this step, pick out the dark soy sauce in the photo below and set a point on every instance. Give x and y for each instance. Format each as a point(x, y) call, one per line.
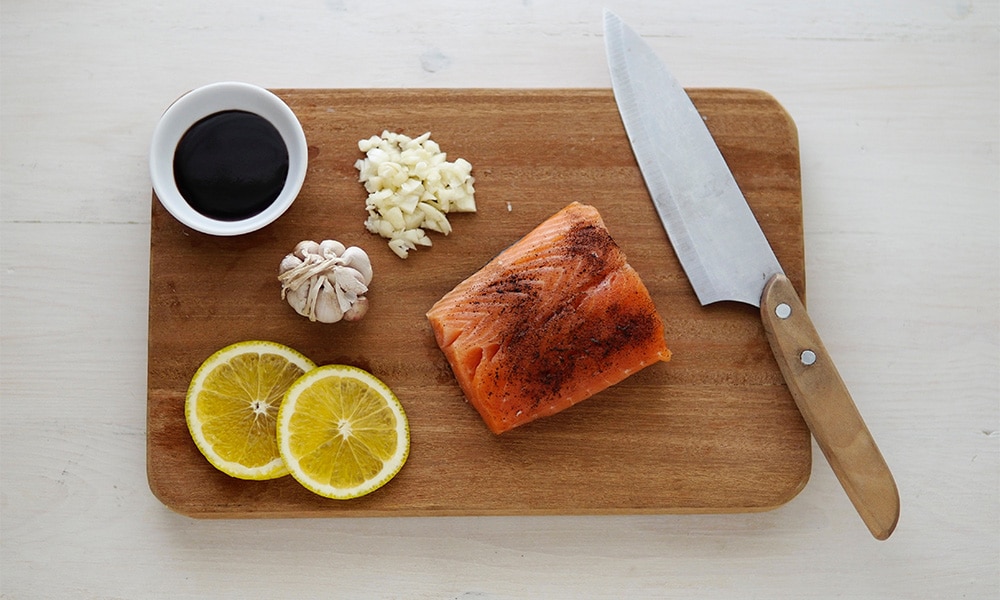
point(231, 165)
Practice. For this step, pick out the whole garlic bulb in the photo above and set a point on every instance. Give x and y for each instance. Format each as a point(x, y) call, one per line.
point(326, 281)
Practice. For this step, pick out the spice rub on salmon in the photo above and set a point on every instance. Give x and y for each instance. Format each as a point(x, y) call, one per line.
point(552, 320)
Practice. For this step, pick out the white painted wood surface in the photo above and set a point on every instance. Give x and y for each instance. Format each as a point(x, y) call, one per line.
point(897, 106)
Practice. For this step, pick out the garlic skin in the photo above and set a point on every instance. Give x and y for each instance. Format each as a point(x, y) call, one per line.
point(326, 281)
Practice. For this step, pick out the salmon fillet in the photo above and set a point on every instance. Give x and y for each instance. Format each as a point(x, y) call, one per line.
point(552, 320)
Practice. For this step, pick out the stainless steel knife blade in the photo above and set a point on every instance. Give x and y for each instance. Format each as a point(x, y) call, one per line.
point(715, 235)
point(726, 257)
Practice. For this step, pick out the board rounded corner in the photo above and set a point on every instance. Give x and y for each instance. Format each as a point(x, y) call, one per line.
point(795, 485)
point(166, 497)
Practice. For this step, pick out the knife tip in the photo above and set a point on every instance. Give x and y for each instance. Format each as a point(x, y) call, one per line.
point(610, 17)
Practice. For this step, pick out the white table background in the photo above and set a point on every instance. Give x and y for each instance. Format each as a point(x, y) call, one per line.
point(896, 103)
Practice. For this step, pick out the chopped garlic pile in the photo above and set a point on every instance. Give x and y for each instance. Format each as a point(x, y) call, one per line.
point(411, 187)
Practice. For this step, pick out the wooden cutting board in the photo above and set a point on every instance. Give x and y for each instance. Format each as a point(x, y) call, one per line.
point(714, 430)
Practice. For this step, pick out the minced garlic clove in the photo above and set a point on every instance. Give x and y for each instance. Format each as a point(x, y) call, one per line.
point(412, 187)
point(325, 281)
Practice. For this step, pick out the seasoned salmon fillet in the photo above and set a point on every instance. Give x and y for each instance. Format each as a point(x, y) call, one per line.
point(552, 320)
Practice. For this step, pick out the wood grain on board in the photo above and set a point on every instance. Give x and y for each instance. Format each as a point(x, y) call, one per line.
point(713, 430)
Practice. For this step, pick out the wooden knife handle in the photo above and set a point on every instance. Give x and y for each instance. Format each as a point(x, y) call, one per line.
point(827, 407)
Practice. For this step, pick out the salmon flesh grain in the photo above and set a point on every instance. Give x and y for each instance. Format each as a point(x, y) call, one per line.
point(552, 320)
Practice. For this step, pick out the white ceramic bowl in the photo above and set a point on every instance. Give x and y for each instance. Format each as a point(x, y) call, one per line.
point(200, 103)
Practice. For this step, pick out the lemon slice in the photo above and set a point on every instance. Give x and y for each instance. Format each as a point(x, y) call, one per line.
point(342, 432)
point(232, 406)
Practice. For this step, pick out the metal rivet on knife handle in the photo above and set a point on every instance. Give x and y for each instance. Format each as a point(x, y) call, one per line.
point(783, 311)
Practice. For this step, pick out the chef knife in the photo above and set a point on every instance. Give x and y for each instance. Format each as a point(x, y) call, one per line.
point(726, 257)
